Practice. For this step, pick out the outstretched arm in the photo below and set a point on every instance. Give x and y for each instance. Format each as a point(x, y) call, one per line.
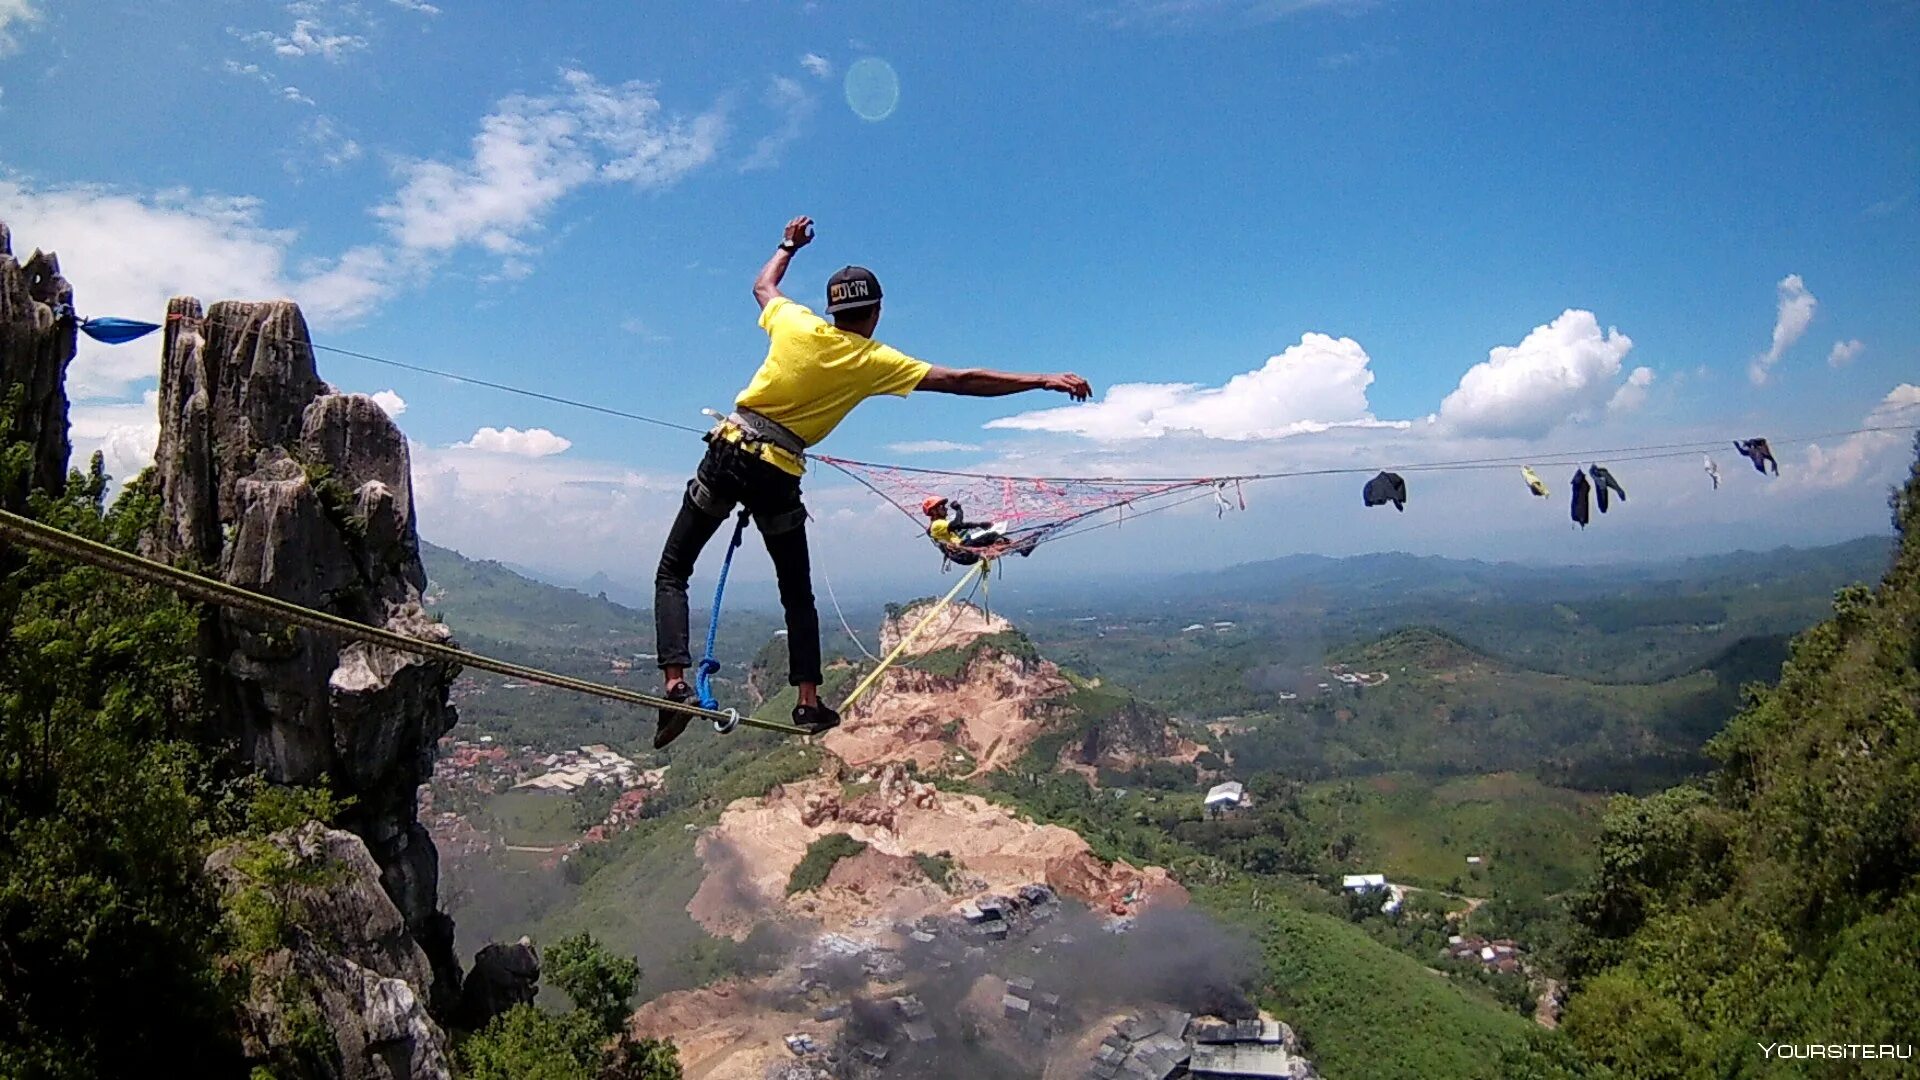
point(979, 382)
point(767, 285)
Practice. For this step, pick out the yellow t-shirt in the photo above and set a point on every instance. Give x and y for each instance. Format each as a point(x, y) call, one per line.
point(815, 373)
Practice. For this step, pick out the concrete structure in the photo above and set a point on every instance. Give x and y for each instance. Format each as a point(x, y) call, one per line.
point(1226, 796)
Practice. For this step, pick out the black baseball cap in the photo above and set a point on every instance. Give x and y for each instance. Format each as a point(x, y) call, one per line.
point(852, 287)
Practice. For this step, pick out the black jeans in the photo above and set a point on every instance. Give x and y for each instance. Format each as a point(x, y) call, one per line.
point(728, 476)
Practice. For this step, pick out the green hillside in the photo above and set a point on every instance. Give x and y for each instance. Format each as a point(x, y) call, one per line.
point(1447, 709)
point(497, 611)
point(1779, 900)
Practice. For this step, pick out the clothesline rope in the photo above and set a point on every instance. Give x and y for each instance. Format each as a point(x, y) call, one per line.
point(1043, 508)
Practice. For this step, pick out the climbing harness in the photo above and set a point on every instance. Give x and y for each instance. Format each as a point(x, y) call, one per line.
point(39, 536)
point(709, 667)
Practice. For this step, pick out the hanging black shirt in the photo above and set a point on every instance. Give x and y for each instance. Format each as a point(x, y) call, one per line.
point(1580, 491)
point(1602, 481)
point(1386, 488)
point(1758, 452)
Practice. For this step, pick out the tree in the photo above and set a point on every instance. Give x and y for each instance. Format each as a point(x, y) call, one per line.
point(599, 983)
point(108, 800)
point(590, 1042)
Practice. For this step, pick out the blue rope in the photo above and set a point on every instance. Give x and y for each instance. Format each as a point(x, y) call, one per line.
point(709, 667)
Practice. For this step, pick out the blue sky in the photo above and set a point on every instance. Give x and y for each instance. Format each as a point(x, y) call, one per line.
point(1158, 194)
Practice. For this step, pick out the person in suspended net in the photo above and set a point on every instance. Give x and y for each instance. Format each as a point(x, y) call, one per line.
point(814, 373)
point(962, 541)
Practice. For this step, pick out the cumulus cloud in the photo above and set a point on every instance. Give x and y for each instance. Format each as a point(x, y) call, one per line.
point(817, 66)
point(1318, 384)
point(1845, 352)
point(1866, 456)
point(793, 104)
point(127, 254)
point(1793, 313)
point(533, 442)
point(393, 404)
point(124, 434)
point(15, 15)
point(1632, 393)
point(932, 446)
point(1558, 372)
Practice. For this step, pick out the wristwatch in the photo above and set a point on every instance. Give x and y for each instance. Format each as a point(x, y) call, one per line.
point(789, 246)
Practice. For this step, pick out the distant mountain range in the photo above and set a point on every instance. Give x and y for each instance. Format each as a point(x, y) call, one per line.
point(1363, 580)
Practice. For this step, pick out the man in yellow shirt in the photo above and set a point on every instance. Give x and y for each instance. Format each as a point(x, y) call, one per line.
point(813, 376)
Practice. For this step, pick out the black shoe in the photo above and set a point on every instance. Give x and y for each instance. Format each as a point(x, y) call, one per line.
point(673, 721)
point(815, 718)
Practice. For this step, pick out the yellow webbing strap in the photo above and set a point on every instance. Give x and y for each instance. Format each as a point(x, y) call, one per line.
point(873, 676)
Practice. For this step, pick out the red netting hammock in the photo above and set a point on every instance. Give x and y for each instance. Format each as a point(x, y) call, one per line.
point(1018, 513)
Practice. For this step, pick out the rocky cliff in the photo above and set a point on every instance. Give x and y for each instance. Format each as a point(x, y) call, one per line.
point(335, 995)
point(271, 481)
point(967, 696)
point(36, 345)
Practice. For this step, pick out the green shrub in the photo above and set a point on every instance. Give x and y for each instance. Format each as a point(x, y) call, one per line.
point(819, 861)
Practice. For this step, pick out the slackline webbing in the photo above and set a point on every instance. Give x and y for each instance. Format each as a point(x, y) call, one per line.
point(39, 536)
point(979, 568)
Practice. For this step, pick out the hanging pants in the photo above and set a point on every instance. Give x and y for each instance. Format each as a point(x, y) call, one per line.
point(730, 476)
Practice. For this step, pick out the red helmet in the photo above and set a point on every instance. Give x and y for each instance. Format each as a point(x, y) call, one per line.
point(932, 505)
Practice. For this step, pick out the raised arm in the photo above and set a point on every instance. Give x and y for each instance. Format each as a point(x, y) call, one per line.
point(767, 285)
point(979, 382)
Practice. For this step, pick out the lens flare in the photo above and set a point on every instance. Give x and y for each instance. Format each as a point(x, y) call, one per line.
point(873, 90)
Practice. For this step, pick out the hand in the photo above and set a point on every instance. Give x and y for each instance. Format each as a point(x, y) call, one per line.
point(1069, 384)
point(799, 232)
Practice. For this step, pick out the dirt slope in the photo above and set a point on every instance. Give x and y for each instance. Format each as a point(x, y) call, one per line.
point(751, 852)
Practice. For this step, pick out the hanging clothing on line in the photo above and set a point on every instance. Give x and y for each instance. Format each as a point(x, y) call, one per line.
point(1713, 472)
point(1758, 452)
point(1534, 483)
point(1603, 481)
point(1581, 488)
point(1386, 488)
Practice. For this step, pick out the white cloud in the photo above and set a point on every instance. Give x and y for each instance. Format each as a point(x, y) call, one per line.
point(418, 6)
point(1867, 456)
point(552, 511)
point(390, 403)
point(1632, 393)
point(1794, 312)
point(125, 434)
point(15, 15)
point(1318, 384)
point(325, 142)
point(932, 446)
point(1845, 352)
point(533, 151)
point(307, 38)
point(294, 94)
point(127, 254)
point(818, 66)
point(793, 104)
point(533, 442)
point(1561, 371)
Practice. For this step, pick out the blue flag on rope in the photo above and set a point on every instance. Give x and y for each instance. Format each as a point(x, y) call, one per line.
point(117, 331)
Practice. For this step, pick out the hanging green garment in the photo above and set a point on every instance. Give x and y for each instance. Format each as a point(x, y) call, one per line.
point(1534, 483)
